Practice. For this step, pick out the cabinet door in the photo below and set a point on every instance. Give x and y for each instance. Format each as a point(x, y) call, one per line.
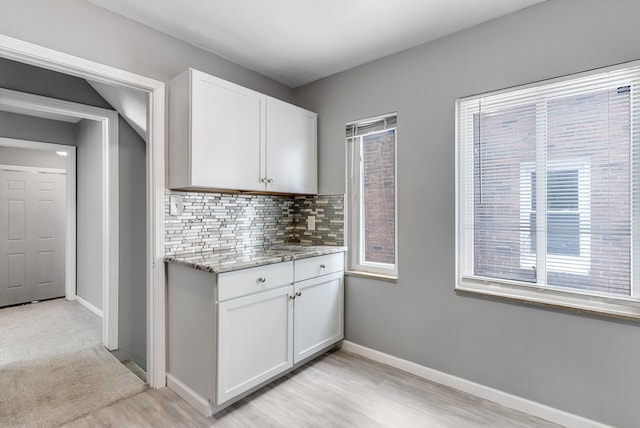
point(255, 339)
point(318, 314)
point(227, 134)
point(292, 156)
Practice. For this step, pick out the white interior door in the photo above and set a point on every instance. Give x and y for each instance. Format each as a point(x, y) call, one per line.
point(32, 236)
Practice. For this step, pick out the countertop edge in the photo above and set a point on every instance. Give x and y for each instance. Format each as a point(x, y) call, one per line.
point(210, 264)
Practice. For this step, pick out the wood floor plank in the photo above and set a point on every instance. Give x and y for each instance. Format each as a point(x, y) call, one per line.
point(337, 390)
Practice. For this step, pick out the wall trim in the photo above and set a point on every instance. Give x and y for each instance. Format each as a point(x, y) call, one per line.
point(505, 399)
point(51, 59)
point(190, 396)
point(87, 305)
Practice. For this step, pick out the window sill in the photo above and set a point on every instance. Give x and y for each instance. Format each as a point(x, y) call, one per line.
point(387, 278)
point(590, 305)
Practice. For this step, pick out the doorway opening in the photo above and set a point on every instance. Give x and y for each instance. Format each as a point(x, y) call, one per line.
point(97, 220)
point(28, 53)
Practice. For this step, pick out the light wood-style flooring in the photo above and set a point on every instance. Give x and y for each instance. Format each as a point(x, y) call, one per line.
point(337, 390)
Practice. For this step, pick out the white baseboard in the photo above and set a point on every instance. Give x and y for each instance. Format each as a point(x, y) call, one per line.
point(189, 395)
point(508, 400)
point(88, 305)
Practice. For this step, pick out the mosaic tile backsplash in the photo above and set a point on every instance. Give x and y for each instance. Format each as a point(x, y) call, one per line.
point(216, 222)
point(329, 213)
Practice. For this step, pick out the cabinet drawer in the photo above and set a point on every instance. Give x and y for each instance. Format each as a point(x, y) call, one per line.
point(316, 266)
point(248, 281)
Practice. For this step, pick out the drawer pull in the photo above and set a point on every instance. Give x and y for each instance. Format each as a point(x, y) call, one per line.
point(322, 266)
point(299, 293)
point(262, 279)
point(292, 297)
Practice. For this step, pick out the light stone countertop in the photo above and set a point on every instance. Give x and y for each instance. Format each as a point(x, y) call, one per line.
point(227, 261)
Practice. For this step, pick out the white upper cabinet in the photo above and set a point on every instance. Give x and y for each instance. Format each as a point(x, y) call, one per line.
point(227, 134)
point(292, 159)
point(223, 136)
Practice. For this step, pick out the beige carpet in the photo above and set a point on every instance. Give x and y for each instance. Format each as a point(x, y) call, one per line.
point(46, 328)
point(52, 367)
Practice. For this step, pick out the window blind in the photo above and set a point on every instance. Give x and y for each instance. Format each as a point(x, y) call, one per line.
point(369, 126)
point(549, 192)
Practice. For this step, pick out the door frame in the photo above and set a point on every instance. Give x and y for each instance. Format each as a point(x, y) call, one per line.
point(50, 59)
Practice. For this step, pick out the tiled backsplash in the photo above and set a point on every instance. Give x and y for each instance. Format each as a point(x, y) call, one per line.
point(216, 222)
point(328, 211)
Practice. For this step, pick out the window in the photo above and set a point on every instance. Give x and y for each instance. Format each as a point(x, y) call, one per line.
point(371, 188)
point(568, 210)
point(548, 180)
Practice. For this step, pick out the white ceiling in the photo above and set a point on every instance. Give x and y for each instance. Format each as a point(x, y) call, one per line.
point(298, 41)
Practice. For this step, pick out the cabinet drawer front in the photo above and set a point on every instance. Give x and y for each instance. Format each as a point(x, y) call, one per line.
point(316, 266)
point(248, 281)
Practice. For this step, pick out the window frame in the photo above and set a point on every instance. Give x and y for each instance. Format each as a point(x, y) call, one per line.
point(582, 301)
point(355, 202)
point(582, 262)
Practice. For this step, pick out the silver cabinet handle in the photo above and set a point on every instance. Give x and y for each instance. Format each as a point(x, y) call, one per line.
point(322, 266)
point(263, 180)
point(299, 293)
point(262, 279)
point(269, 180)
point(292, 297)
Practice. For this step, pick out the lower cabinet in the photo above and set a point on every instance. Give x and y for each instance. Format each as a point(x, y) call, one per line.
point(255, 340)
point(233, 332)
point(318, 314)
point(265, 334)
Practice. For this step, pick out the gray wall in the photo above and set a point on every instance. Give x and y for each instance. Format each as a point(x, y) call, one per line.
point(88, 31)
point(132, 298)
point(26, 157)
point(33, 80)
point(90, 209)
point(580, 364)
point(23, 127)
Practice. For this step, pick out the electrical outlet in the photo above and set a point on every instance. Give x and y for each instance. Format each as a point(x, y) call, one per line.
point(311, 222)
point(175, 205)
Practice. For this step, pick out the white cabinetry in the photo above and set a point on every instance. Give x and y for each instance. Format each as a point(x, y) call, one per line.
point(216, 133)
point(319, 304)
point(255, 327)
point(233, 332)
point(318, 314)
point(223, 136)
point(255, 338)
point(292, 154)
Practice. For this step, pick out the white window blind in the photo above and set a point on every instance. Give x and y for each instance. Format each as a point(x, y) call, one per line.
point(548, 187)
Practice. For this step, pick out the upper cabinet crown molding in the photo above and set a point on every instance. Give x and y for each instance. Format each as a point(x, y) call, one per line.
point(223, 136)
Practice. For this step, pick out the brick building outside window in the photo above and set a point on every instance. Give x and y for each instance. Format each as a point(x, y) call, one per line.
point(549, 191)
point(371, 195)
